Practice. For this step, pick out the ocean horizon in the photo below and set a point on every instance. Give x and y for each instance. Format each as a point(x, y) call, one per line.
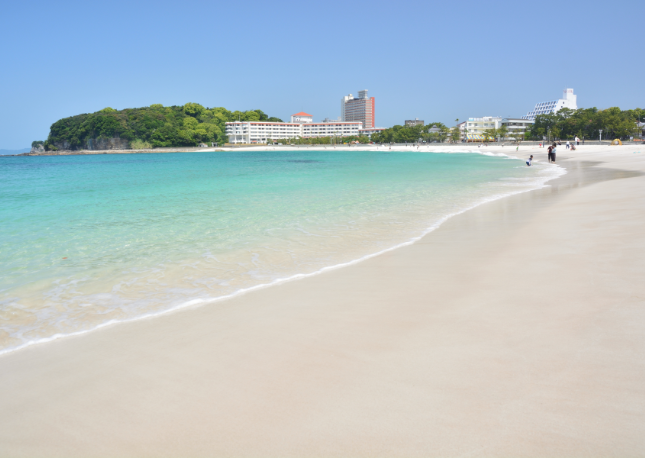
point(94, 240)
point(8, 152)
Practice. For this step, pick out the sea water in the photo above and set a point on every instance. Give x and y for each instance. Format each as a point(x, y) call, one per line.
point(92, 240)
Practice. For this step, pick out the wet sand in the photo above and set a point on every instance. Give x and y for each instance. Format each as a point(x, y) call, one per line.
point(515, 329)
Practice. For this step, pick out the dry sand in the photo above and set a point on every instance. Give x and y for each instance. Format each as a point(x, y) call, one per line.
point(515, 329)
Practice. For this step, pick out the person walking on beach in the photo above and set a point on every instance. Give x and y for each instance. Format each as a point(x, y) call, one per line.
point(568, 145)
point(529, 161)
point(552, 150)
point(548, 153)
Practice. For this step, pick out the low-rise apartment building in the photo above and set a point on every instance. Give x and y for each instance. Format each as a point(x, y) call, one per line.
point(331, 129)
point(475, 127)
point(261, 131)
point(247, 132)
point(462, 130)
point(370, 130)
point(516, 126)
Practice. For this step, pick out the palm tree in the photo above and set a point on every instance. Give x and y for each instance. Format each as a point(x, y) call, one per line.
point(490, 134)
point(502, 132)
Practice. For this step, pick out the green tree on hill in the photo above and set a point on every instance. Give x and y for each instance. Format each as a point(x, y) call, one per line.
point(187, 125)
point(193, 109)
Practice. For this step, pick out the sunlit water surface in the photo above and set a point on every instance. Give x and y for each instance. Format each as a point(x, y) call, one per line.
point(88, 240)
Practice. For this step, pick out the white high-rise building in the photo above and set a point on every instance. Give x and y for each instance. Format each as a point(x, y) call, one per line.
point(568, 100)
point(343, 101)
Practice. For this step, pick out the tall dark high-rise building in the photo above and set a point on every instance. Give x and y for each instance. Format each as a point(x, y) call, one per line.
point(358, 109)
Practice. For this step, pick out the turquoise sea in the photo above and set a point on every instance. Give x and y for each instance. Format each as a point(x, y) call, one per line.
point(87, 241)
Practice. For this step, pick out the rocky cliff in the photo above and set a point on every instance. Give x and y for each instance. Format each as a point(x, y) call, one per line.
point(40, 148)
point(95, 144)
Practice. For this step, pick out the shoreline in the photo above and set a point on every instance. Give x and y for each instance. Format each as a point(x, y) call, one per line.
point(441, 347)
point(199, 302)
point(529, 145)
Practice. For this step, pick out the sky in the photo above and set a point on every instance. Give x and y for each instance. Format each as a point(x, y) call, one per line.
point(436, 61)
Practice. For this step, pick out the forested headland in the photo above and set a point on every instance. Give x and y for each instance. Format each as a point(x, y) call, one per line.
point(147, 127)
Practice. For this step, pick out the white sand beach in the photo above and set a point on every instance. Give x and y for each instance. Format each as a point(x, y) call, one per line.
point(515, 329)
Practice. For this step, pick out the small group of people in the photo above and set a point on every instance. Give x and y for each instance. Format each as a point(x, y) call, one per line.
point(550, 153)
point(571, 146)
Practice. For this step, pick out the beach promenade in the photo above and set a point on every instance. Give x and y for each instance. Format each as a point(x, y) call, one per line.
point(515, 329)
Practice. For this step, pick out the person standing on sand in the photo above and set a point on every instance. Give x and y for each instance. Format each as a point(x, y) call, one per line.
point(548, 153)
point(568, 145)
point(553, 153)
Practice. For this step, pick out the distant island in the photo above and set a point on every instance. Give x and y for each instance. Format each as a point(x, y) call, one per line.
point(141, 128)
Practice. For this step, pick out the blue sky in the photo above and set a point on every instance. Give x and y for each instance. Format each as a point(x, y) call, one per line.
point(436, 61)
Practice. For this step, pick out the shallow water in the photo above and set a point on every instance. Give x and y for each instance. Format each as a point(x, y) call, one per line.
point(89, 240)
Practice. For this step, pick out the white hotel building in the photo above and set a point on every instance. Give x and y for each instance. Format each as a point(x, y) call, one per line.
point(302, 126)
point(475, 127)
point(568, 100)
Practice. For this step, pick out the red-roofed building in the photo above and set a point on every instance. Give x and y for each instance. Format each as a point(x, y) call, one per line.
point(302, 118)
